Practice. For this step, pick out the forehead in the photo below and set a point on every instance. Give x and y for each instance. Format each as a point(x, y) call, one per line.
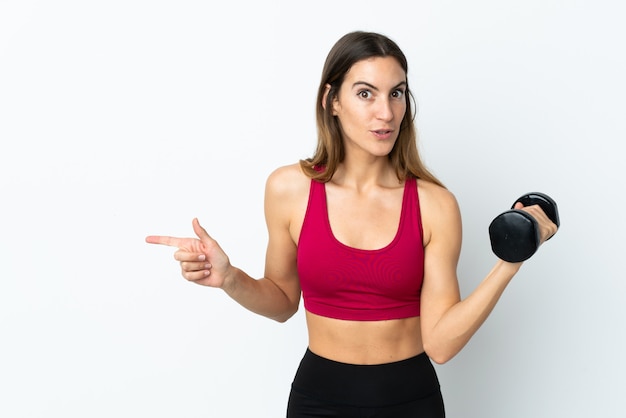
point(376, 71)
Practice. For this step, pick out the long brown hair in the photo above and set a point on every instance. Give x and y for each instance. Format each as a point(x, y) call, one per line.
point(348, 50)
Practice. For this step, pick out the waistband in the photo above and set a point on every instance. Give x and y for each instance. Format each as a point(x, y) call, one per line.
point(366, 385)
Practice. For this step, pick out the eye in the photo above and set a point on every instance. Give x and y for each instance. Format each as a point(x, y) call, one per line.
point(364, 94)
point(397, 94)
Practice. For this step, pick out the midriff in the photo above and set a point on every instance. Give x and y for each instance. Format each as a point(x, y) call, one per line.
point(364, 342)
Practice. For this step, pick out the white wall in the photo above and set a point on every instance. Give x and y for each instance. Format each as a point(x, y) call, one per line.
point(120, 119)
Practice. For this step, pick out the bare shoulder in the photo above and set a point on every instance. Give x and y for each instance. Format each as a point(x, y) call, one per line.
point(439, 208)
point(286, 194)
point(435, 197)
point(287, 181)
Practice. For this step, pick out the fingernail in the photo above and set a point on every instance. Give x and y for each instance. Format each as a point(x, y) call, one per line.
point(201, 257)
point(207, 266)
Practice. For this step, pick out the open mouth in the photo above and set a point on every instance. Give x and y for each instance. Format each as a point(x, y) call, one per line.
point(382, 133)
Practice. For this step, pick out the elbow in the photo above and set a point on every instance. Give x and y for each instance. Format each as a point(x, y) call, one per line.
point(439, 358)
point(285, 316)
point(281, 319)
point(439, 355)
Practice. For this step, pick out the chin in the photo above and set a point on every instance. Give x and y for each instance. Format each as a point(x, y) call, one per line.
point(383, 151)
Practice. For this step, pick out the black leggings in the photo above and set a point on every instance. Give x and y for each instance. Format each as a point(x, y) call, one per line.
point(403, 389)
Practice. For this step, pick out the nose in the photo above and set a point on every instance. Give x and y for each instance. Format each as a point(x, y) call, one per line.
point(384, 110)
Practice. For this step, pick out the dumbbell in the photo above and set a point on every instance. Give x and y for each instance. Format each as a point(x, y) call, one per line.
point(514, 234)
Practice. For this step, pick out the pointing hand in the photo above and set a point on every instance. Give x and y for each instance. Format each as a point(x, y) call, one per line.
point(202, 260)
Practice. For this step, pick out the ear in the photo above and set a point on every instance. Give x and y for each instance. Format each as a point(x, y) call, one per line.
point(325, 98)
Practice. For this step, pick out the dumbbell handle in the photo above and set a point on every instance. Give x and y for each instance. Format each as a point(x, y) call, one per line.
point(547, 204)
point(514, 234)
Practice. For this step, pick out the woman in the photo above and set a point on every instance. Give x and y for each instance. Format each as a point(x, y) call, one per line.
point(371, 240)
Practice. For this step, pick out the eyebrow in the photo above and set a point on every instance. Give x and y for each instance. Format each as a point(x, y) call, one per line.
point(365, 83)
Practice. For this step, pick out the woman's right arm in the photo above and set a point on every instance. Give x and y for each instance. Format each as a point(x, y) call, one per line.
point(277, 294)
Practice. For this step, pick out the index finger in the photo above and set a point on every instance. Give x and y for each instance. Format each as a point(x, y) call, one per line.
point(164, 240)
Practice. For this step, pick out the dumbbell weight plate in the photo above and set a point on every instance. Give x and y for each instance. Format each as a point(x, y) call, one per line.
point(514, 236)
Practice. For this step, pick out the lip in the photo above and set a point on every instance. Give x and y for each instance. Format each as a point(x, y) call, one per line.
point(382, 133)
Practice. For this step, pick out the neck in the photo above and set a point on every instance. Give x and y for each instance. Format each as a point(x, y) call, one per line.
point(362, 174)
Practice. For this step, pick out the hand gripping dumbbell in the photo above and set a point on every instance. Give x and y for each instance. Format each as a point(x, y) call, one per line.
point(514, 234)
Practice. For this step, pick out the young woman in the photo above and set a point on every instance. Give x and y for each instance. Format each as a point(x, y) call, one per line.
point(371, 240)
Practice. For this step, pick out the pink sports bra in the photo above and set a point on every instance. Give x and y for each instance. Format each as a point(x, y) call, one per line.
point(348, 283)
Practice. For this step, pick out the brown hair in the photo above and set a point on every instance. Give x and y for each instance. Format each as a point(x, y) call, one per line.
point(348, 50)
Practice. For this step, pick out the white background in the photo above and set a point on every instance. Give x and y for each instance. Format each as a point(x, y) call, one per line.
point(120, 119)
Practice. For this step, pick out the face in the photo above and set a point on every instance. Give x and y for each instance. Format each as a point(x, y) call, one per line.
point(371, 104)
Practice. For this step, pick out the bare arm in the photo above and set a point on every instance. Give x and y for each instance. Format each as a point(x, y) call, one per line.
point(277, 294)
point(448, 322)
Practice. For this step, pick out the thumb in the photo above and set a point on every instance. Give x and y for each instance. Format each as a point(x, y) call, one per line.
point(518, 205)
point(200, 231)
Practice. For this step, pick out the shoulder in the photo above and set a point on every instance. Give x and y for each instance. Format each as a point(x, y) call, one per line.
point(287, 191)
point(435, 197)
point(287, 180)
point(439, 208)
point(287, 172)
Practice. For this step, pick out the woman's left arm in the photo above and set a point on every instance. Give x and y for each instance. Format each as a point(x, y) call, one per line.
point(448, 322)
